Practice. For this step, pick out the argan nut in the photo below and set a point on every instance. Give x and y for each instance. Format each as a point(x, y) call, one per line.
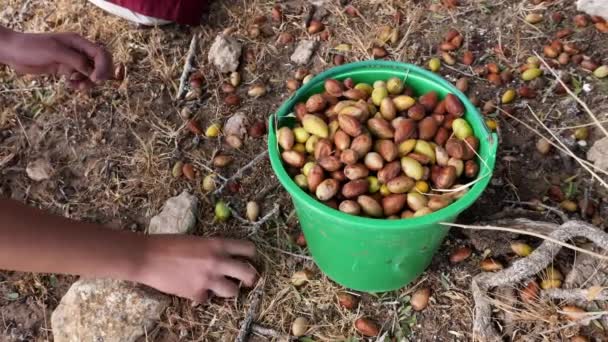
point(286, 138)
point(427, 128)
point(534, 18)
point(188, 171)
point(461, 128)
point(389, 171)
point(380, 128)
point(441, 136)
point(222, 160)
point(457, 164)
point(472, 146)
point(529, 294)
point(299, 327)
point(416, 112)
point(349, 157)
point(366, 327)
point(471, 169)
point(373, 161)
point(315, 125)
point(521, 249)
point(292, 84)
point(412, 168)
point(213, 130)
point(543, 146)
point(379, 52)
point(232, 100)
point(350, 125)
point(234, 141)
point(252, 211)
point(388, 109)
point(434, 64)
point(257, 90)
point(400, 184)
point(490, 265)
point(356, 171)
point(387, 149)
point(444, 177)
point(393, 204)
point(468, 58)
point(589, 64)
point(601, 71)
point(362, 144)
point(177, 170)
point(569, 205)
point(323, 148)
point(460, 254)
point(292, 158)
point(404, 129)
point(355, 188)
point(416, 201)
point(339, 59)
point(333, 87)
point(330, 163)
point(403, 102)
point(347, 300)
point(429, 101)
point(315, 26)
point(546, 284)
point(314, 177)
point(579, 338)
point(453, 105)
point(316, 103)
point(350, 207)
point(370, 206)
point(526, 92)
point(448, 58)
point(580, 20)
point(420, 299)
point(531, 74)
point(462, 84)
point(194, 127)
point(447, 46)
point(327, 189)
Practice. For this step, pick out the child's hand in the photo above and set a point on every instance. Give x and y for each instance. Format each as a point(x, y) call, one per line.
point(80, 61)
point(189, 267)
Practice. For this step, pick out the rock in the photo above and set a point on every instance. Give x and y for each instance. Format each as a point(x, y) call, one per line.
point(593, 7)
point(225, 53)
point(598, 153)
point(39, 170)
point(177, 216)
point(236, 125)
point(303, 52)
point(106, 310)
point(118, 311)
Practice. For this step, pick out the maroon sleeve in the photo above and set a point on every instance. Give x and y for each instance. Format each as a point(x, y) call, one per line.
point(187, 12)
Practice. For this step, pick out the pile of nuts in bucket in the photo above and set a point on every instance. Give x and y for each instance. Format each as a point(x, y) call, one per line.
point(378, 151)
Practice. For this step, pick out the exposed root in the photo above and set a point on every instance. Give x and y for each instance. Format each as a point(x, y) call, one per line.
point(253, 310)
point(571, 295)
point(526, 267)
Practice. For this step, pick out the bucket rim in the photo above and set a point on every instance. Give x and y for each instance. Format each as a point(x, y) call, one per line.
point(447, 214)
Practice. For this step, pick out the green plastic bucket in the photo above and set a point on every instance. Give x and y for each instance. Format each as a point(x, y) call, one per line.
point(367, 254)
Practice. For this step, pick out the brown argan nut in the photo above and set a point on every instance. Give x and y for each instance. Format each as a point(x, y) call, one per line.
point(316, 103)
point(455, 147)
point(292, 158)
point(330, 163)
point(580, 20)
point(339, 59)
point(416, 112)
point(404, 129)
point(529, 294)
point(389, 171)
point(355, 94)
point(462, 84)
point(232, 100)
point(453, 105)
point(447, 46)
point(292, 84)
point(338, 175)
point(472, 146)
point(441, 136)
point(362, 144)
point(228, 88)
point(379, 52)
point(315, 177)
point(350, 207)
point(355, 188)
point(494, 79)
point(381, 128)
point(334, 87)
point(350, 125)
point(315, 26)
point(460, 254)
point(341, 140)
point(387, 149)
point(468, 58)
point(323, 149)
point(222, 160)
point(367, 327)
point(429, 101)
point(373, 161)
point(526, 92)
point(445, 177)
point(356, 171)
point(506, 76)
point(420, 299)
point(471, 169)
point(349, 157)
point(370, 206)
point(347, 300)
point(300, 110)
point(285, 38)
point(188, 171)
point(393, 204)
point(427, 128)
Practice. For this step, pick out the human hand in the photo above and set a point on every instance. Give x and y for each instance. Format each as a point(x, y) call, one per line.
point(190, 267)
point(80, 61)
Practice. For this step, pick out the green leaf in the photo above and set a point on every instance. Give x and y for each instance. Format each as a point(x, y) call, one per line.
point(12, 296)
point(577, 84)
point(53, 281)
point(306, 339)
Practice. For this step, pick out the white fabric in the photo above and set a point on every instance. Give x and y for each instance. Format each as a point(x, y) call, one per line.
point(128, 14)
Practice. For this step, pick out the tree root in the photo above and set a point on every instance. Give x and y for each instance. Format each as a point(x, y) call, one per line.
point(521, 269)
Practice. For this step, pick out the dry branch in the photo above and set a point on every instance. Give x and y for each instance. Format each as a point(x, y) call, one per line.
point(575, 294)
point(526, 267)
point(253, 309)
point(239, 172)
point(181, 91)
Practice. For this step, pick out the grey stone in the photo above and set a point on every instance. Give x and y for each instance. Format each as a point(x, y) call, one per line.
point(225, 53)
point(177, 216)
point(593, 7)
point(106, 310)
point(598, 153)
point(303, 52)
point(39, 170)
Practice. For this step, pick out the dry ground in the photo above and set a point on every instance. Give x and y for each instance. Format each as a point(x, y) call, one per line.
point(113, 150)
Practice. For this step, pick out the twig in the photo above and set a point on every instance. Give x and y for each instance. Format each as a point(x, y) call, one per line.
point(181, 91)
point(238, 173)
point(305, 257)
point(554, 210)
point(526, 267)
point(583, 104)
point(268, 332)
point(253, 309)
point(587, 319)
point(525, 232)
point(575, 294)
point(258, 223)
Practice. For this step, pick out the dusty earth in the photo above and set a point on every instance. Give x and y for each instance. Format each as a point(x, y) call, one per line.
point(112, 151)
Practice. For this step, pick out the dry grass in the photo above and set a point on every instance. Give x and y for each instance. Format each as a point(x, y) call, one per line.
point(113, 150)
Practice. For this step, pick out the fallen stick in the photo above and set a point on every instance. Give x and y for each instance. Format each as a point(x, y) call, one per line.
point(181, 91)
point(238, 173)
point(253, 309)
point(575, 294)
